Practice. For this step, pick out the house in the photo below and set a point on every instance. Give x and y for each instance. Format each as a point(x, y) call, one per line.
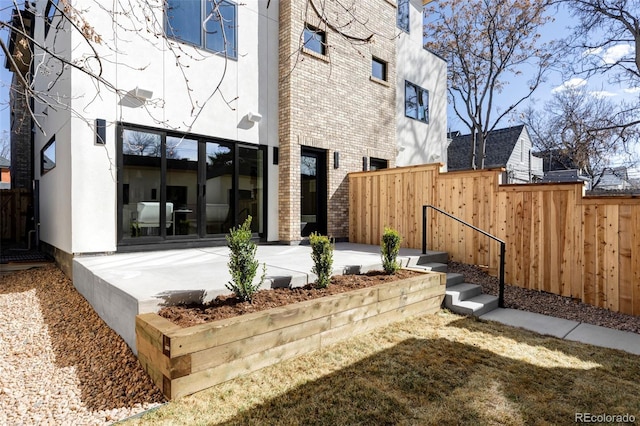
point(572, 175)
point(261, 109)
point(508, 148)
point(5, 173)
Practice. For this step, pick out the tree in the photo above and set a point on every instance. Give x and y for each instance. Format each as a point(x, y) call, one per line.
point(579, 130)
point(607, 41)
point(485, 42)
point(5, 147)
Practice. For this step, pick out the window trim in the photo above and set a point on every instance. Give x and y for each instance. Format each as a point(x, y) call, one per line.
point(52, 142)
point(203, 34)
point(418, 89)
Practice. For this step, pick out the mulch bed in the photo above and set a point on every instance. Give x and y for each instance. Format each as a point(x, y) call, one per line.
point(230, 306)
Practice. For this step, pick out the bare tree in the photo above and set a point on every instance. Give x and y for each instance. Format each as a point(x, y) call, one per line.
point(579, 130)
point(5, 145)
point(486, 42)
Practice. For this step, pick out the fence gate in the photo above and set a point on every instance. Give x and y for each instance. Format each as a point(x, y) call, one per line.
point(14, 206)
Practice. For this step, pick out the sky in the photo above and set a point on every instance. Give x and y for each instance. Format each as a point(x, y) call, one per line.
point(598, 86)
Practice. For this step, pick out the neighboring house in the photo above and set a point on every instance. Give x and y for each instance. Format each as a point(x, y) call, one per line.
point(614, 179)
point(508, 148)
point(560, 176)
point(5, 173)
point(300, 106)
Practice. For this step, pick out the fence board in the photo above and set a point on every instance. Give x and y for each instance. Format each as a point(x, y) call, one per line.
point(557, 240)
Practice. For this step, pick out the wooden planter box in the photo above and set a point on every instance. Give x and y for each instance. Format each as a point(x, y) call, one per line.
point(182, 361)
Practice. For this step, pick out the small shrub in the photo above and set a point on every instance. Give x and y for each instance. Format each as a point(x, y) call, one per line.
point(243, 264)
point(322, 255)
point(390, 247)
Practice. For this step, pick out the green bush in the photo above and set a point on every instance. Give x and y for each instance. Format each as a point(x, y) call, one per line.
point(243, 265)
point(390, 247)
point(322, 255)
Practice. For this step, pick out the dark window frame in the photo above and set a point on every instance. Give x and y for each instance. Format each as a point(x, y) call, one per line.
point(49, 13)
point(421, 93)
point(378, 163)
point(384, 68)
point(314, 33)
point(231, 51)
point(44, 170)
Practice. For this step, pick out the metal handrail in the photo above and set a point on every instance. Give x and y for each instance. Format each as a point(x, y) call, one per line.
point(493, 237)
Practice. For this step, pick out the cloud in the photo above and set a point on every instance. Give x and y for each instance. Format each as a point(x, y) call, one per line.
point(615, 53)
point(632, 90)
point(574, 83)
point(601, 94)
point(595, 51)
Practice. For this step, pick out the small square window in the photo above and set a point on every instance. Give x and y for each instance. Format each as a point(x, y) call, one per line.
point(315, 39)
point(48, 156)
point(379, 69)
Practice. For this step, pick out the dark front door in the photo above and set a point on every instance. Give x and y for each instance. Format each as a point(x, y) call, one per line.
point(313, 191)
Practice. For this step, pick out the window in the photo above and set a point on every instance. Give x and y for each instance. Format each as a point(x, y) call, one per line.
point(377, 163)
point(315, 39)
point(184, 21)
point(416, 102)
point(379, 69)
point(48, 156)
point(403, 15)
point(49, 12)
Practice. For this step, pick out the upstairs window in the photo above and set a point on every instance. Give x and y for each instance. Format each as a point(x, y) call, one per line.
point(49, 13)
point(378, 163)
point(403, 15)
point(315, 39)
point(48, 156)
point(379, 69)
point(209, 24)
point(416, 102)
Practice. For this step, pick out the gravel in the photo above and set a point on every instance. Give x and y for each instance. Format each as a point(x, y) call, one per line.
point(59, 362)
point(546, 303)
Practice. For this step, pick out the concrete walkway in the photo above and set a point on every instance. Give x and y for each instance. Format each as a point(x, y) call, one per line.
point(567, 329)
point(121, 286)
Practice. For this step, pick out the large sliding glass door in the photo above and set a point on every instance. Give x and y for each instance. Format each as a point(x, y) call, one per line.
point(185, 188)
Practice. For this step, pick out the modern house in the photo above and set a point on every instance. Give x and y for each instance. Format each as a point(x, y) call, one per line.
point(170, 122)
point(508, 148)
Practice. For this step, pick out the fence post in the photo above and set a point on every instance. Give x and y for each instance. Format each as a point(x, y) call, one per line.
point(501, 288)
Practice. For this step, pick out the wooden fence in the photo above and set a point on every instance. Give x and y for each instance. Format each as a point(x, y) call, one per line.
point(14, 204)
point(557, 240)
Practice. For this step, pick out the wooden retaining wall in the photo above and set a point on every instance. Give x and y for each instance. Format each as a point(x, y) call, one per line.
point(557, 240)
point(182, 361)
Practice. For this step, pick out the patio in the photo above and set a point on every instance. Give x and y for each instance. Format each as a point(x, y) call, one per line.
point(121, 286)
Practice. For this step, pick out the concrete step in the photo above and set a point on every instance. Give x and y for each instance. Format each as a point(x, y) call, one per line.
point(429, 257)
point(460, 292)
point(476, 306)
point(434, 266)
point(453, 278)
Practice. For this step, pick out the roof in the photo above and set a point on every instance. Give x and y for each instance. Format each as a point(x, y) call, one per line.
point(572, 175)
point(4, 163)
point(500, 145)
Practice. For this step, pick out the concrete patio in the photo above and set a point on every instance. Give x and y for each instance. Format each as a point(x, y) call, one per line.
point(121, 286)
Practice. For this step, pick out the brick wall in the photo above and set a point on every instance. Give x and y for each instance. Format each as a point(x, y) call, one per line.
point(332, 103)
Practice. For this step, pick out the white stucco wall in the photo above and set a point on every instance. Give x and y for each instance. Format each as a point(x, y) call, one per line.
point(85, 219)
point(420, 143)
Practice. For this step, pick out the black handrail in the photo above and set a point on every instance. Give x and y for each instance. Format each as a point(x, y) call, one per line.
point(493, 237)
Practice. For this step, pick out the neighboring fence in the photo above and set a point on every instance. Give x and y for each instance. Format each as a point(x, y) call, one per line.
point(14, 204)
point(557, 240)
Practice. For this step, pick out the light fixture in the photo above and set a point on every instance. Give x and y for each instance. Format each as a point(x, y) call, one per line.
point(254, 117)
point(101, 131)
point(336, 159)
point(142, 93)
point(365, 164)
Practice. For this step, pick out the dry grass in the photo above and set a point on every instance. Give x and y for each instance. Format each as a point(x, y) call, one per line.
point(438, 369)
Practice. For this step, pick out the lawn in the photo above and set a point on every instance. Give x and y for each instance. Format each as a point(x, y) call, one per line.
point(437, 369)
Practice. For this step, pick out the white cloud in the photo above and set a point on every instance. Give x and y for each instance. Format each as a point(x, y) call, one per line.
point(615, 53)
point(595, 51)
point(600, 94)
point(574, 83)
point(632, 90)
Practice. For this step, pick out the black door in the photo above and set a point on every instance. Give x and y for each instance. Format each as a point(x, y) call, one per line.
point(313, 191)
